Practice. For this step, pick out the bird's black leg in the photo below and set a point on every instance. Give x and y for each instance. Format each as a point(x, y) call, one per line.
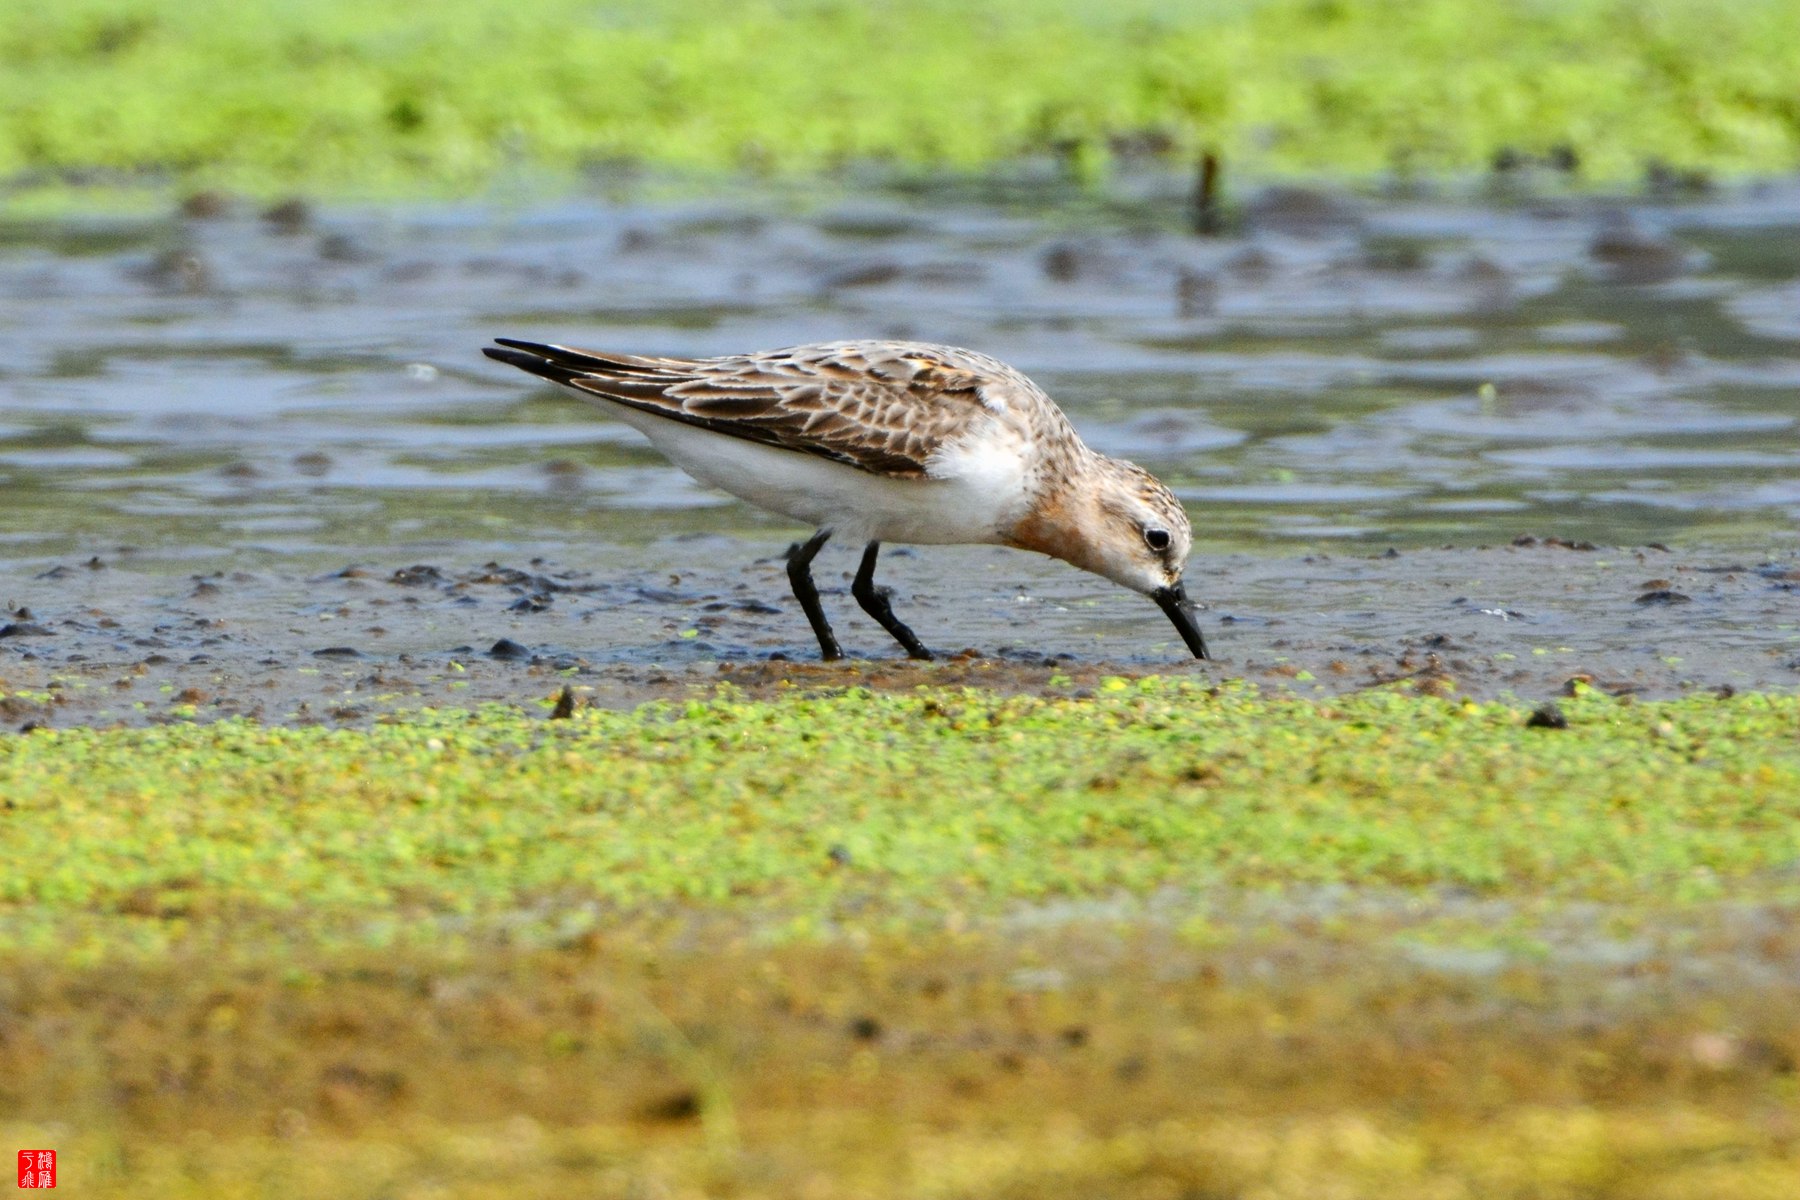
point(799, 567)
point(874, 601)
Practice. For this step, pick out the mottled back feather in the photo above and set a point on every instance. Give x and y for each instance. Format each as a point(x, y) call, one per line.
point(883, 407)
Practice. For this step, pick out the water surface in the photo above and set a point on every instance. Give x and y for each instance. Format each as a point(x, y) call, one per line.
point(1360, 371)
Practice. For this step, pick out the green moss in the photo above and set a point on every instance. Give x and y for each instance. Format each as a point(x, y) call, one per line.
point(355, 97)
point(927, 805)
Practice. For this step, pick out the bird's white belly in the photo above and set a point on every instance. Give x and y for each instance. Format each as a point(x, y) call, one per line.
point(979, 495)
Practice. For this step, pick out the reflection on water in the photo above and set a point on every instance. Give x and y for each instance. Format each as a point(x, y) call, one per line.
point(1408, 372)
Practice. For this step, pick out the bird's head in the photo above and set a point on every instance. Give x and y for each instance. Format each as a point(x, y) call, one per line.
point(1118, 520)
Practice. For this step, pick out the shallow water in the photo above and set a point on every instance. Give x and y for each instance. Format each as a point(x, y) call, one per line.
point(1338, 373)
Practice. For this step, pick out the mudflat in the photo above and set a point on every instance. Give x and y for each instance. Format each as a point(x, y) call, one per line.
point(100, 642)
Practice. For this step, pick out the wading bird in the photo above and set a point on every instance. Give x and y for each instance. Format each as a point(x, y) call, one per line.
point(882, 441)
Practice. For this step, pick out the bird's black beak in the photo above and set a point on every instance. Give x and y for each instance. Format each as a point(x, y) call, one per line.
point(1174, 601)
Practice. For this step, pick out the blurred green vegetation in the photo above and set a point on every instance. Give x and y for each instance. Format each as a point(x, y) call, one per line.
point(349, 97)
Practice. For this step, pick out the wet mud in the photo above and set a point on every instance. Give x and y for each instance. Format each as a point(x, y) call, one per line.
point(102, 641)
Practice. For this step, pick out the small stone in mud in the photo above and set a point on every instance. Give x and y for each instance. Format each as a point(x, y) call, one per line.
point(1547, 716)
point(339, 247)
point(680, 1106)
point(565, 705)
point(865, 1029)
point(1303, 212)
point(15, 629)
point(312, 463)
point(1661, 179)
point(417, 576)
point(174, 270)
point(508, 649)
point(338, 652)
point(563, 469)
point(205, 205)
point(1663, 596)
point(866, 274)
point(289, 216)
point(1634, 258)
point(1062, 263)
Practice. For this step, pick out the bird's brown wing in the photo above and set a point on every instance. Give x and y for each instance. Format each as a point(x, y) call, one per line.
point(883, 407)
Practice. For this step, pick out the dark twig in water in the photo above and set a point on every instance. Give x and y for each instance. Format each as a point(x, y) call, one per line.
point(1207, 219)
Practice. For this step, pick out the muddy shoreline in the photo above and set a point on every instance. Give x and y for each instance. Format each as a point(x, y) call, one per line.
point(104, 641)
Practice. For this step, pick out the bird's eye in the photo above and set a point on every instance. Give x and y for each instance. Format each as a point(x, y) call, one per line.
point(1157, 539)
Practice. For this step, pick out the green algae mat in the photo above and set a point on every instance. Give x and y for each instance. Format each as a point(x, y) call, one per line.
point(1150, 939)
point(350, 97)
point(786, 812)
